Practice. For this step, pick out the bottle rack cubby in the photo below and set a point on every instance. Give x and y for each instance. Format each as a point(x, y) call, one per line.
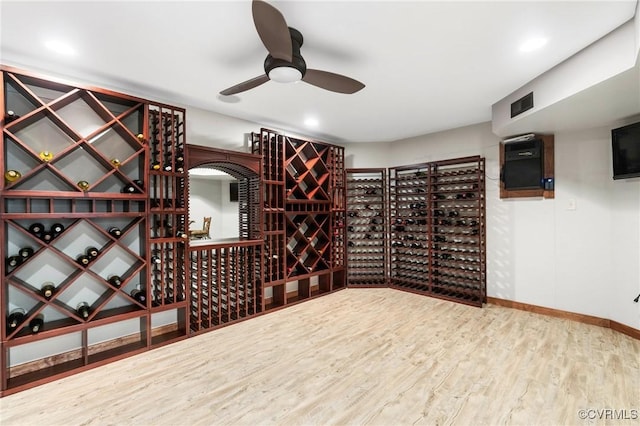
point(80, 204)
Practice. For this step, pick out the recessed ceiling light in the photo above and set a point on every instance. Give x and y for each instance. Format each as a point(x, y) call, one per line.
point(311, 122)
point(533, 44)
point(60, 47)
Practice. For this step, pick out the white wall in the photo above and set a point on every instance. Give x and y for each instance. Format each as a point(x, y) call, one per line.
point(210, 197)
point(539, 252)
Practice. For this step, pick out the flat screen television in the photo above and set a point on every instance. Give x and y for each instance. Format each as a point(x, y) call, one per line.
point(625, 142)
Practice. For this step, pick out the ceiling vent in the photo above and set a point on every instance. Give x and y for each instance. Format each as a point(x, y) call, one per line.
point(523, 104)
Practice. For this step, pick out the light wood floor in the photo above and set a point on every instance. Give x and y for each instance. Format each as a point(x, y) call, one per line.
point(358, 356)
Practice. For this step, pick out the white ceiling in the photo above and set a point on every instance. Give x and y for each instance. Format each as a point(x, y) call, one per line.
point(428, 66)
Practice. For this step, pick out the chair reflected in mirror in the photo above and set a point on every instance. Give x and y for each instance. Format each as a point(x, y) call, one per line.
point(200, 234)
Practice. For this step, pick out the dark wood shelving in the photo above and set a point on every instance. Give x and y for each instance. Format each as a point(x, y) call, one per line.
point(66, 134)
point(303, 217)
point(168, 208)
point(437, 234)
point(366, 227)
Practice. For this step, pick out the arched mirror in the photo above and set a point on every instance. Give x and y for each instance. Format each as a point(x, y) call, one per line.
point(224, 195)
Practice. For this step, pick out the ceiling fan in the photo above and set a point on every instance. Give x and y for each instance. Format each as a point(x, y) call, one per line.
point(284, 63)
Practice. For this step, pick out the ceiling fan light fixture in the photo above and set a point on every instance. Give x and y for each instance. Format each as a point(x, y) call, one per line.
point(285, 75)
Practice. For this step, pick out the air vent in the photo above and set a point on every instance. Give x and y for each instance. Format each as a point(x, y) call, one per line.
point(523, 104)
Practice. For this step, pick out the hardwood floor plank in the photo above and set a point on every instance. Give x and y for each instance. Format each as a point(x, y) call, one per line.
point(357, 357)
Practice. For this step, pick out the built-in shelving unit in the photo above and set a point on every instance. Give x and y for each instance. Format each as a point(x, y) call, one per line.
point(168, 210)
point(437, 235)
point(366, 225)
point(78, 231)
point(303, 211)
point(226, 275)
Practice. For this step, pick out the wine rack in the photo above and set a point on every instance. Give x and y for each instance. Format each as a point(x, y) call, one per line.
point(303, 212)
point(338, 217)
point(77, 221)
point(168, 198)
point(224, 284)
point(366, 225)
point(226, 275)
point(409, 227)
point(458, 256)
point(437, 229)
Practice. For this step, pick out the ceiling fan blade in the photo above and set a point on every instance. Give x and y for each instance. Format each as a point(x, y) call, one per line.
point(245, 85)
point(331, 81)
point(273, 30)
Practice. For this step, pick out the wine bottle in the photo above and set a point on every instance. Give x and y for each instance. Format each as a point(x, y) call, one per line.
point(36, 229)
point(115, 162)
point(155, 165)
point(83, 260)
point(167, 167)
point(13, 261)
point(46, 156)
point(47, 290)
point(156, 259)
point(115, 281)
point(83, 309)
point(12, 175)
point(92, 253)
point(57, 229)
point(129, 189)
point(181, 234)
point(25, 253)
point(36, 324)
point(139, 296)
point(46, 236)
point(115, 232)
point(139, 184)
point(84, 185)
point(15, 318)
point(10, 116)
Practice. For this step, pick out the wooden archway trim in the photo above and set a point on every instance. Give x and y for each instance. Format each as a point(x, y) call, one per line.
point(200, 155)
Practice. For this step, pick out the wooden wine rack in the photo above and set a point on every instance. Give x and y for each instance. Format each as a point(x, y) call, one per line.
point(83, 157)
point(168, 209)
point(226, 275)
point(225, 283)
point(81, 161)
point(437, 235)
point(367, 228)
point(303, 214)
